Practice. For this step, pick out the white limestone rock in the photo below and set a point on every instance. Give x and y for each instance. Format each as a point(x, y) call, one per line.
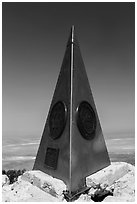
point(110, 174)
point(5, 180)
point(36, 186)
point(119, 199)
point(92, 191)
point(47, 183)
point(84, 198)
point(125, 187)
point(23, 191)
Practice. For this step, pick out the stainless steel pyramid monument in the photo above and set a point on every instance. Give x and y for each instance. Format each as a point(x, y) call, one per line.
point(72, 145)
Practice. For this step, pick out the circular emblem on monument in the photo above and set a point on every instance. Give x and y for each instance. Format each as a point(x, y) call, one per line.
point(86, 120)
point(57, 119)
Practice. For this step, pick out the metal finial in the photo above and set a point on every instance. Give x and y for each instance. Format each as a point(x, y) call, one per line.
point(72, 33)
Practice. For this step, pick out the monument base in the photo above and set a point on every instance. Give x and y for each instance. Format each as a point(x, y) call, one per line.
point(74, 195)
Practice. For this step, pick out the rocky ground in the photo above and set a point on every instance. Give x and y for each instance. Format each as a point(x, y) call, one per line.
point(115, 183)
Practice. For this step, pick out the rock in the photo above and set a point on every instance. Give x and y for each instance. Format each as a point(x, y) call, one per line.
point(113, 182)
point(47, 183)
point(5, 180)
point(23, 191)
point(117, 180)
point(104, 185)
point(118, 199)
point(125, 185)
point(10, 194)
point(84, 198)
point(110, 188)
point(46, 198)
point(110, 174)
point(92, 191)
point(100, 194)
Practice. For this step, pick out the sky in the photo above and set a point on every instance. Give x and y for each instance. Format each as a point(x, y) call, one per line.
point(34, 37)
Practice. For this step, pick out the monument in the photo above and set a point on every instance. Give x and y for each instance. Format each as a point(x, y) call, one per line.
point(72, 145)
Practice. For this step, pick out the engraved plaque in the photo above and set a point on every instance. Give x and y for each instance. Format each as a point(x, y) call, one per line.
point(86, 120)
point(51, 158)
point(57, 119)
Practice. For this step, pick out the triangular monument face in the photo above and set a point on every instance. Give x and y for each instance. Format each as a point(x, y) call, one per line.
point(72, 145)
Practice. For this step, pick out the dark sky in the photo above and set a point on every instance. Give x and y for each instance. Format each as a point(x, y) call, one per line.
point(34, 37)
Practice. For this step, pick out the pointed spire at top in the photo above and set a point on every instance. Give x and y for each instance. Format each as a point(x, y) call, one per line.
point(72, 32)
point(72, 37)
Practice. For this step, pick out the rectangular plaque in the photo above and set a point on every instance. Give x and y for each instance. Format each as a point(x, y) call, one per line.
point(51, 158)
